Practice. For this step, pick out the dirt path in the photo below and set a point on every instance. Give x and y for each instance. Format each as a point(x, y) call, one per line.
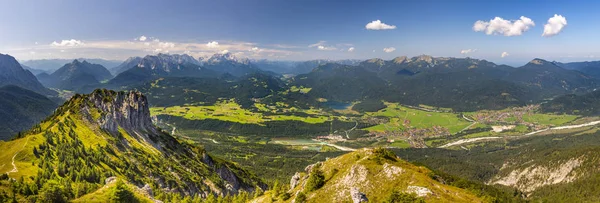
point(346, 149)
point(473, 122)
point(15, 169)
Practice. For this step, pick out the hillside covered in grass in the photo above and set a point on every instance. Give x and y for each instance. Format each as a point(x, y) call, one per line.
point(377, 175)
point(104, 135)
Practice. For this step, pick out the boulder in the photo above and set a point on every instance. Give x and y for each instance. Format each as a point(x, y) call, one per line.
point(357, 196)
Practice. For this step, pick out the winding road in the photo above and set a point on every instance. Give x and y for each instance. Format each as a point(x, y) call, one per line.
point(470, 140)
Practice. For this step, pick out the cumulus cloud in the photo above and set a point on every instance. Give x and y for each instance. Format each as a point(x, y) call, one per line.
point(554, 26)
point(467, 51)
point(378, 25)
point(142, 38)
point(351, 49)
point(504, 54)
point(388, 49)
point(504, 27)
point(67, 43)
point(212, 44)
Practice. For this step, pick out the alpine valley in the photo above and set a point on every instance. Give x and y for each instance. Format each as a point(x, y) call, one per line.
point(174, 128)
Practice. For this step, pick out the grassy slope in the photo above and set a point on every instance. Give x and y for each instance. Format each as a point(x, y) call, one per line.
point(103, 195)
point(377, 185)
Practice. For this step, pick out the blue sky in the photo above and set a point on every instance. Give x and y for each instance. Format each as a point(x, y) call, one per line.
point(284, 30)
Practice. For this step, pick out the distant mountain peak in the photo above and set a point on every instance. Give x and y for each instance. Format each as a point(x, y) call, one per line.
point(12, 73)
point(538, 61)
point(426, 58)
point(376, 61)
point(400, 59)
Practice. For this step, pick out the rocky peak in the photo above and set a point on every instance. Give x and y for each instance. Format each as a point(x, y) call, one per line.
point(226, 57)
point(400, 59)
point(166, 62)
point(425, 58)
point(128, 110)
point(377, 61)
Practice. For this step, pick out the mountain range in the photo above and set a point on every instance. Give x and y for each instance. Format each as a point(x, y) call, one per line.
point(75, 75)
point(50, 65)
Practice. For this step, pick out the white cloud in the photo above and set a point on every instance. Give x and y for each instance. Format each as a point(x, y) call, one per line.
point(326, 48)
point(121, 49)
point(166, 44)
point(320, 43)
point(504, 27)
point(212, 44)
point(504, 54)
point(467, 51)
point(255, 49)
point(554, 26)
point(378, 25)
point(67, 43)
point(351, 49)
point(388, 49)
point(32, 52)
point(225, 51)
point(142, 38)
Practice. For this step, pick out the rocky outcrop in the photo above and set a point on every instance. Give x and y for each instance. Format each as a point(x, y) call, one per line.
point(110, 180)
point(357, 196)
point(419, 191)
point(295, 180)
point(128, 110)
point(530, 178)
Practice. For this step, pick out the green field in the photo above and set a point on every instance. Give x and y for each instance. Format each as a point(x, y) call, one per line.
point(233, 112)
point(416, 119)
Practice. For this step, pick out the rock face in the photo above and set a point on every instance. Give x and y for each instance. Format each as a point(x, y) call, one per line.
point(419, 191)
point(295, 180)
point(357, 196)
point(109, 180)
point(120, 109)
point(530, 178)
point(12, 73)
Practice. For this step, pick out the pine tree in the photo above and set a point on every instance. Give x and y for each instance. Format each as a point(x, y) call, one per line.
point(120, 193)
